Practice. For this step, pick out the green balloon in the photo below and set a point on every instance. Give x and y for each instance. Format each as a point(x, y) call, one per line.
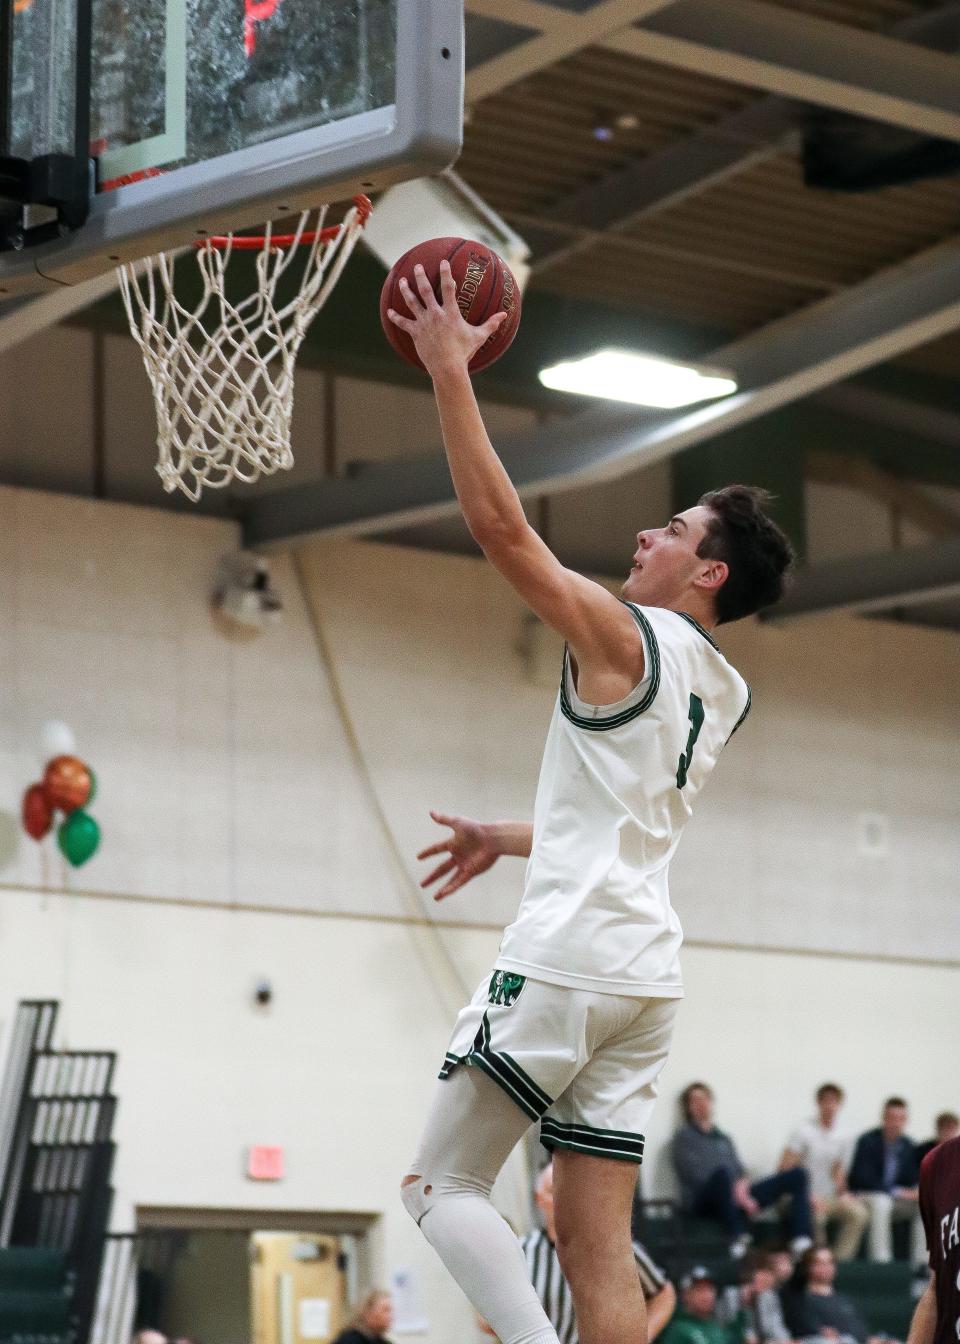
point(78, 837)
point(93, 787)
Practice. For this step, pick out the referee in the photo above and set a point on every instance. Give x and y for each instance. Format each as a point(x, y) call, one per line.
point(543, 1265)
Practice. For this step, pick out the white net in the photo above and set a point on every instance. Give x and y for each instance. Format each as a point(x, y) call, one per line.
point(223, 371)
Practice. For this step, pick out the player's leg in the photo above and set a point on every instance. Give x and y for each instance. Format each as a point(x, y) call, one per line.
point(593, 1198)
point(596, 1128)
point(472, 1128)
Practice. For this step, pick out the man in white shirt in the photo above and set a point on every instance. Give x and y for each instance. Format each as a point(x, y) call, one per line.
point(575, 1023)
point(824, 1147)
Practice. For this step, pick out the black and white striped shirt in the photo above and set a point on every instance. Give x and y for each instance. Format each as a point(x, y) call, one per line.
point(547, 1278)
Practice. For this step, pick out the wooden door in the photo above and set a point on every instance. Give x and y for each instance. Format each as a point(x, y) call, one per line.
point(297, 1288)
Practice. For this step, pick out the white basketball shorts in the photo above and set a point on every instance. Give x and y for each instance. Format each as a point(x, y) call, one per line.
point(584, 1064)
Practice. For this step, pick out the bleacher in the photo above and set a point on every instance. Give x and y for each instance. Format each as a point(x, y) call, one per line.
point(36, 1295)
point(883, 1293)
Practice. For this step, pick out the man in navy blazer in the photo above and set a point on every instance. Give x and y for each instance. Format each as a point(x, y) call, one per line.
point(884, 1173)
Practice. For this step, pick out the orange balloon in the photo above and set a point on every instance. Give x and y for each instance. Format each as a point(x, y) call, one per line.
point(67, 783)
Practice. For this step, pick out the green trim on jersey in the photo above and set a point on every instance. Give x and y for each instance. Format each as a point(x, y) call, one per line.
point(600, 724)
point(504, 1070)
point(745, 712)
point(615, 1143)
point(697, 626)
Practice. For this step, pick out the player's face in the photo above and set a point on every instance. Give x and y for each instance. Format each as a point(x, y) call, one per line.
point(665, 563)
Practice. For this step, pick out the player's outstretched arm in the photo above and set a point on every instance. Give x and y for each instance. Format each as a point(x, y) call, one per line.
point(471, 848)
point(594, 623)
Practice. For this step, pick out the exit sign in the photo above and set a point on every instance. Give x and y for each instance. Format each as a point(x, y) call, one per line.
point(265, 1164)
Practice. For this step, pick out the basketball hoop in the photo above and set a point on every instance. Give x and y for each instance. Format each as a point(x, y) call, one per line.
point(222, 374)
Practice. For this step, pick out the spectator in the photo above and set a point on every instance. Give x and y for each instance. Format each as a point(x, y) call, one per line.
point(756, 1298)
point(884, 1172)
point(781, 1267)
point(946, 1126)
point(150, 1336)
point(713, 1180)
point(543, 1264)
point(814, 1311)
point(822, 1146)
point(696, 1320)
point(370, 1321)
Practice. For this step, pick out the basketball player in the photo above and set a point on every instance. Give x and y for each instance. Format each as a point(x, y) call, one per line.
point(937, 1317)
point(574, 1027)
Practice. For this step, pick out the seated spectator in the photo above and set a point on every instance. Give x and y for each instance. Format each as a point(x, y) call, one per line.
point(695, 1320)
point(370, 1322)
point(823, 1146)
point(543, 1264)
point(149, 1336)
point(946, 1126)
point(714, 1183)
point(756, 1300)
point(884, 1172)
point(781, 1266)
point(814, 1311)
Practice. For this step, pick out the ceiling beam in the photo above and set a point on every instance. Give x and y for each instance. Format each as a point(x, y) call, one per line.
point(645, 247)
point(748, 136)
point(874, 582)
point(898, 80)
point(901, 497)
point(893, 412)
point(561, 34)
point(21, 318)
point(871, 322)
point(800, 56)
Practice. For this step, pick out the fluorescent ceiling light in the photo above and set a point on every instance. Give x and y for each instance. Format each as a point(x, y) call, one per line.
point(621, 375)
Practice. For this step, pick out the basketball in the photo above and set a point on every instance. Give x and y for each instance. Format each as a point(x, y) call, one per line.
point(485, 285)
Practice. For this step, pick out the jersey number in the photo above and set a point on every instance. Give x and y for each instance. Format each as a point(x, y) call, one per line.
point(696, 723)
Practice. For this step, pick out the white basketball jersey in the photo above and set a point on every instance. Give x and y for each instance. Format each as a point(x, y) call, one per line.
point(617, 784)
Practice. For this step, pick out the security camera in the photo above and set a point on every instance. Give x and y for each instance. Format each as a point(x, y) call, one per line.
point(245, 594)
point(263, 993)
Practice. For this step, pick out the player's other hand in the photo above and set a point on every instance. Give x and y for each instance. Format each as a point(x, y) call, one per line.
point(444, 340)
point(468, 852)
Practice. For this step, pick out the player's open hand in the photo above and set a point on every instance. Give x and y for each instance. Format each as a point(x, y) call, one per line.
point(443, 338)
point(468, 850)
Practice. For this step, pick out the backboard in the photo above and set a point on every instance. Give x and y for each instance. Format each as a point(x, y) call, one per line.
point(207, 115)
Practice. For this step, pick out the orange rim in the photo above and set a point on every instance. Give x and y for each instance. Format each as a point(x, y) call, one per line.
point(281, 241)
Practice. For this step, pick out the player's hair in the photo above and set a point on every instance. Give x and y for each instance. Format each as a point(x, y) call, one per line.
point(946, 1118)
point(894, 1101)
point(686, 1093)
point(828, 1089)
point(755, 550)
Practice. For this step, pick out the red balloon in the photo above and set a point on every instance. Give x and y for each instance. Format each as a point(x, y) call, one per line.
point(37, 813)
point(67, 783)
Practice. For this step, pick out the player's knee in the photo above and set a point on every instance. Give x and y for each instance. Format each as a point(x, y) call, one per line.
point(415, 1195)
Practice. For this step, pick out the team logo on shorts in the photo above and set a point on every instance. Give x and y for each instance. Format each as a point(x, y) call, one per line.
point(505, 988)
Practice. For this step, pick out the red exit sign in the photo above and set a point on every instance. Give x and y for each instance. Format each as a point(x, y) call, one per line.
point(265, 1164)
